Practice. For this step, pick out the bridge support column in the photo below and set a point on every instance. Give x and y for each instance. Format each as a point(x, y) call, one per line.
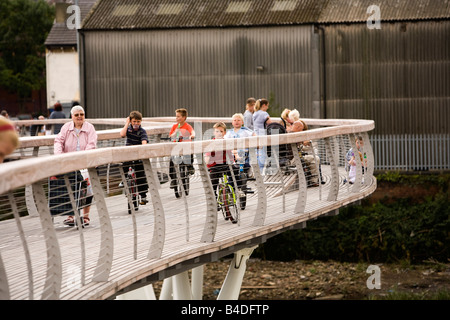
point(197, 283)
point(178, 286)
point(233, 281)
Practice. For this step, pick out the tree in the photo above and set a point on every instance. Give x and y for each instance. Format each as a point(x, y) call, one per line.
point(24, 26)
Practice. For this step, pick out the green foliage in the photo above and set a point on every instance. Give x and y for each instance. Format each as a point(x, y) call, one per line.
point(274, 107)
point(380, 232)
point(24, 26)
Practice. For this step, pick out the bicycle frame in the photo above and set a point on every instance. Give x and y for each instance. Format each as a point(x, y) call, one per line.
point(222, 185)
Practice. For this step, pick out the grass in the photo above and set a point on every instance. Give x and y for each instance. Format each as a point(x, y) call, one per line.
point(442, 294)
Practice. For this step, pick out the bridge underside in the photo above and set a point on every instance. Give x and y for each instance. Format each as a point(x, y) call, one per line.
point(183, 248)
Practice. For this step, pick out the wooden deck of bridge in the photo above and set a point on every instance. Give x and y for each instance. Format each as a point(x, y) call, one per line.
point(125, 269)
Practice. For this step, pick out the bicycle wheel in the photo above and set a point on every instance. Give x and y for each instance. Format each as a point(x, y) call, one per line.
point(229, 204)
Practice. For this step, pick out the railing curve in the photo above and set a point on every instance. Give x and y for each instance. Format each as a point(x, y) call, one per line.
point(159, 230)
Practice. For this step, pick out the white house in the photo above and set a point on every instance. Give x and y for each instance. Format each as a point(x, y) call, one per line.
point(62, 62)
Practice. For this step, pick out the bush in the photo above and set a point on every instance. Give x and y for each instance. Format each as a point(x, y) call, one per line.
point(379, 232)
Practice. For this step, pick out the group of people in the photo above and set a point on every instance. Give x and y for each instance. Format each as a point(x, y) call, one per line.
point(80, 135)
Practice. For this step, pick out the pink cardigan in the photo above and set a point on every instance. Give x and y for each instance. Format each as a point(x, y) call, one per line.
point(66, 140)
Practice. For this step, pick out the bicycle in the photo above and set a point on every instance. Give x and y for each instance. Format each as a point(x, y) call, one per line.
point(184, 163)
point(183, 170)
point(226, 199)
point(131, 181)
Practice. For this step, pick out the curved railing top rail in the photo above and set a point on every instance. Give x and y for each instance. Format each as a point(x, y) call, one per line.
point(31, 170)
point(155, 126)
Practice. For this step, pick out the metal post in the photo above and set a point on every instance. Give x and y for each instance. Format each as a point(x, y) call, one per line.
point(334, 185)
point(26, 250)
point(301, 200)
point(233, 281)
point(211, 207)
point(181, 286)
point(53, 279)
point(159, 230)
point(105, 256)
point(197, 283)
point(166, 290)
point(261, 206)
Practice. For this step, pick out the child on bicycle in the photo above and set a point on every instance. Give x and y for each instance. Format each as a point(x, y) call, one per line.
point(136, 135)
point(181, 131)
point(216, 161)
point(239, 131)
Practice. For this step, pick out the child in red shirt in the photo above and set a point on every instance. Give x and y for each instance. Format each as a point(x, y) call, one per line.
point(217, 163)
point(181, 131)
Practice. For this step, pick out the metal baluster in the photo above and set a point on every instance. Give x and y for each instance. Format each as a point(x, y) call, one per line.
point(211, 206)
point(105, 257)
point(133, 217)
point(4, 286)
point(357, 184)
point(301, 200)
point(159, 230)
point(53, 279)
point(75, 209)
point(26, 250)
point(334, 185)
point(261, 205)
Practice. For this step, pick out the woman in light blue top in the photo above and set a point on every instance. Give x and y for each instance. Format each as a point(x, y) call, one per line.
point(261, 117)
point(260, 120)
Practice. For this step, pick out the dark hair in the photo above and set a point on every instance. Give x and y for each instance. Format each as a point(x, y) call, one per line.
point(251, 100)
point(135, 115)
point(182, 111)
point(58, 106)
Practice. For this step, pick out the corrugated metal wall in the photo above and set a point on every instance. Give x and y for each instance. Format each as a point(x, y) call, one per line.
point(398, 76)
point(209, 71)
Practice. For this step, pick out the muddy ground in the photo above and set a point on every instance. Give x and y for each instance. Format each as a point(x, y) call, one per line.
point(309, 280)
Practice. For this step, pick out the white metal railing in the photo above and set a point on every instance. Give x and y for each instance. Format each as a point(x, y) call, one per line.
point(412, 152)
point(167, 231)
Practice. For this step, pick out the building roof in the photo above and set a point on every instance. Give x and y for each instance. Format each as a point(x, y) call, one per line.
point(167, 14)
point(60, 34)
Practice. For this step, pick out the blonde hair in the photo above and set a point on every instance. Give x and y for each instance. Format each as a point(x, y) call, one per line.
point(240, 115)
point(8, 132)
point(285, 114)
point(294, 115)
point(220, 125)
point(260, 103)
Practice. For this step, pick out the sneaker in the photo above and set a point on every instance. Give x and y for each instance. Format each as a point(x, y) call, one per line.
point(143, 201)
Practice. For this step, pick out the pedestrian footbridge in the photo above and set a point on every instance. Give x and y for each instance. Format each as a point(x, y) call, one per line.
point(119, 255)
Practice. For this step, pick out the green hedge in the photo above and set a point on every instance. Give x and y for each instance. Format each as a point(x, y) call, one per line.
point(386, 231)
